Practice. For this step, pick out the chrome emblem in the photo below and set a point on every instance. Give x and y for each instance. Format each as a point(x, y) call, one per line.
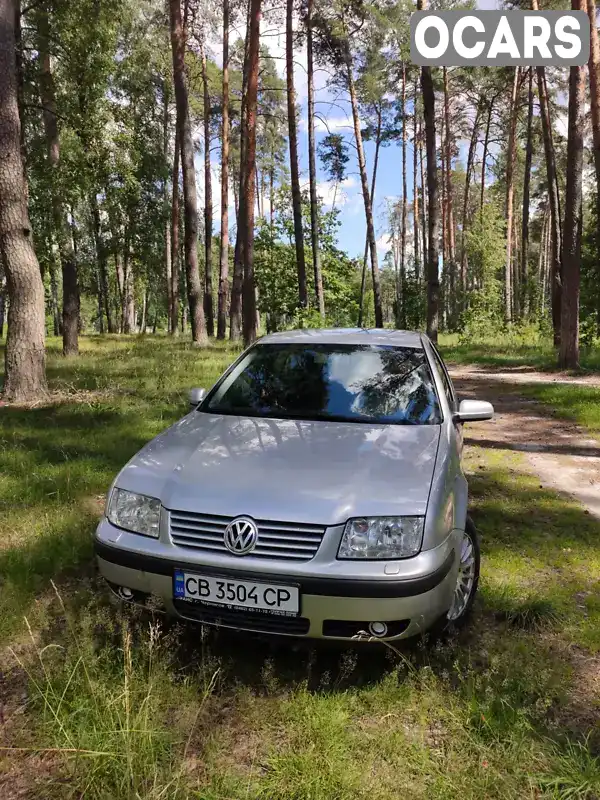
point(240, 536)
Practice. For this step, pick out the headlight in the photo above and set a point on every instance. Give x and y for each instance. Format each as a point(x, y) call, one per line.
point(382, 537)
point(134, 512)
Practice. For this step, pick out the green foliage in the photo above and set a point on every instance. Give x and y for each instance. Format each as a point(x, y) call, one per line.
point(333, 152)
point(486, 252)
point(276, 276)
point(590, 276)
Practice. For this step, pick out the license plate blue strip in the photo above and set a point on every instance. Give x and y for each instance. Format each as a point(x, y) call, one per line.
point(179, 583)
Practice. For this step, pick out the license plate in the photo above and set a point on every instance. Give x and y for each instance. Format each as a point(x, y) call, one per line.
point(214, 590)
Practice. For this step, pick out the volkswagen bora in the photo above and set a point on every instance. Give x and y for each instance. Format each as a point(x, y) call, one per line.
point(316, 490)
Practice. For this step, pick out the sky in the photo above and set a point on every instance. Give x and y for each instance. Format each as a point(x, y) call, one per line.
point(336, 110)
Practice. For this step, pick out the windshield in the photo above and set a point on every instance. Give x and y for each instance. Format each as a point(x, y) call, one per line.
point(350, 383)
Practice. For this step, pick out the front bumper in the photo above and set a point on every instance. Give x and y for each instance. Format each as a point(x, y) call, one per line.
point(408, 599)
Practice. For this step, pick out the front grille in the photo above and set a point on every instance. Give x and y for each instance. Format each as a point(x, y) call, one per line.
point(292, 541)
point(243, 620)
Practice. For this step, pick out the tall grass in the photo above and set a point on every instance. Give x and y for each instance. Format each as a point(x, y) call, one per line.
point(109, 708)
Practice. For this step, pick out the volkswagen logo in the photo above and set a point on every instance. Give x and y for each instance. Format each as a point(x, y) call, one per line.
point(240, 536)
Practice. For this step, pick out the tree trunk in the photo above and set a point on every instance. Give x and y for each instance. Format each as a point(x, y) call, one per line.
point(444, 292)
point(20, 85)
point(128, 313)
point(144, 311)
point(294, 174)
point(100, 301)
point(516, 271)
point(443, 206)
point(56, 318)
point(70, 313)
point(569, 329)
point(424, 224)
point(189, 177)
point(538, 307)
point(2, 303)
point(433, 281)
point(510, 189)
point(365, 188)
point(249, 289)
point(120, 286)
point(486, 141)
point(271, 198)
point(102, 262)
point(402, 308)
point(71, 307)
point(465, 210)
point(554, 197)
point(175, 261)
point(312, 166)
point(25, 361)
point(166, 203)
point(526, 187)
point(545, 247)
point(361, 308)
point(415, 187)
point(594, 71)
point(184, 306)
point(259, 202)
point(224, 246)
point(208, 209)
point(555, 219)
point(235, 309)
point(449, 205)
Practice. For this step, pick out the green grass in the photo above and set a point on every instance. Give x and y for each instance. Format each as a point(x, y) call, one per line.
point(58, 459)
point(541, 565)
point(512, 351)
point(111, 704)
point(576, 402)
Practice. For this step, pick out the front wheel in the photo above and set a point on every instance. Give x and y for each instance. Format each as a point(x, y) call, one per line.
point(467, 579)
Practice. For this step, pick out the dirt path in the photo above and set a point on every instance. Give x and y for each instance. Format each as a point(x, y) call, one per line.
point(561, 453)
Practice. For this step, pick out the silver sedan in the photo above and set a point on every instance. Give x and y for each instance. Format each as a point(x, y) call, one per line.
point(316, 491)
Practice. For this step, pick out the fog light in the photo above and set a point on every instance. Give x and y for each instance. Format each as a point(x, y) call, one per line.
point(378, 628)
point(125, 593)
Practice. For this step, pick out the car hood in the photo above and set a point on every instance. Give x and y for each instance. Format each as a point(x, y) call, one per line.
point(315, 472)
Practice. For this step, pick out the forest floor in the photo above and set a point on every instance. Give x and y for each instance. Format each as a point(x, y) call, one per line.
point(559, 451)
point(101, 702)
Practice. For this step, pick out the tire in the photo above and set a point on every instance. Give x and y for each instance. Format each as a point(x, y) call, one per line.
point(458, 617)
point(449, 622)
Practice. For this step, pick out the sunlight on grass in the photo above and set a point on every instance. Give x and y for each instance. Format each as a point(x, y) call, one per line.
point(512, 351)
point(541, 559)
point(579, 403)
point(58, 459)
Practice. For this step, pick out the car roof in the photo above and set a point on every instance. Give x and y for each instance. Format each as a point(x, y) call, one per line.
point(375, 336)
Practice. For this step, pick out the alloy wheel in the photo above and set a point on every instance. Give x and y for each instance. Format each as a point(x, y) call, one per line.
point(465, 579)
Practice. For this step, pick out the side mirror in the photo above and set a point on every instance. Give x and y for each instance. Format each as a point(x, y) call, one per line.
point(474, 411)
point(197, 396)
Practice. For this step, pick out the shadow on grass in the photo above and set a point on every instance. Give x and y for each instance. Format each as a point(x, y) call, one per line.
point(526, 447)
point(63, 553)
point(514, 514)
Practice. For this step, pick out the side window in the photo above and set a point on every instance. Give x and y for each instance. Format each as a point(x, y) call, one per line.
point(448, 389)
